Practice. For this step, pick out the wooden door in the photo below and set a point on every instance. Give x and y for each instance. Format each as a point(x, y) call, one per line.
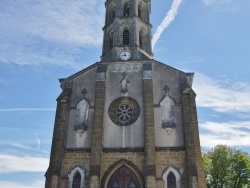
point(124, 178)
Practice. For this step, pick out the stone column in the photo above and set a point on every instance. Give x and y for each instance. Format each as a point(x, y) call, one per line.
point(97, 134)
point(195, 171)
point(149, 132)
point(57, 150)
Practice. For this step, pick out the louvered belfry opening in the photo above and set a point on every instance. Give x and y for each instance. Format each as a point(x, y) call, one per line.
point(125, 37)
point(126, 10)
point(139, 12)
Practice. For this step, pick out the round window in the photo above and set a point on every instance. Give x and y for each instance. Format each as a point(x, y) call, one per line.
point(124, 111)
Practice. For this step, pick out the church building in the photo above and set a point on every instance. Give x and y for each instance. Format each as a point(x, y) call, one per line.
point(127, 121)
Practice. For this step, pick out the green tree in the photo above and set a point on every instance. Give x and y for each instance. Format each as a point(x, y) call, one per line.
point(226, 167)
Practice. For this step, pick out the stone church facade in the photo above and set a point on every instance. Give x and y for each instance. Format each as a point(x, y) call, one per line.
point(127, 121)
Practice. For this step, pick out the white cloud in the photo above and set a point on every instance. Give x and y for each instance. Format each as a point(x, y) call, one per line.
point(77, 22)
point(26, 109)
point(49, 32)
point(234, 133)
point(221, 95)
point(10, 163)
point(210, 2)
point(38, 184)
point(170, 16)
point(15, 144)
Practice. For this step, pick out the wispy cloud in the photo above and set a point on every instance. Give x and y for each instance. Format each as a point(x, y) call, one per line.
point(234, 133)
point(222, 95)
point(170, 16)
point(32, 184)
point(10, 163)
point(49, 32)
point(210, 2)
point(26, 109)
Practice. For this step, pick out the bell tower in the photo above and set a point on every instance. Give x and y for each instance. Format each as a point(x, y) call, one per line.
point(127, 31)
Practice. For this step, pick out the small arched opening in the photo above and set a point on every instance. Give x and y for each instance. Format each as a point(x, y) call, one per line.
point(126, 9)
point(125, 37)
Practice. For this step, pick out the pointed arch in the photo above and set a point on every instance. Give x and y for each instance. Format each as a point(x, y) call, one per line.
point(171, 178)
point(123, 168)
point(76, 178)
point(125, 37)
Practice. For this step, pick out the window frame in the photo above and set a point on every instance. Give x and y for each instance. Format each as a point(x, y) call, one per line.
point(73, 173)
point(176, 173)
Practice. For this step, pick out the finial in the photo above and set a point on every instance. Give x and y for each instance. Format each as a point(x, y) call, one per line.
point(84, 92)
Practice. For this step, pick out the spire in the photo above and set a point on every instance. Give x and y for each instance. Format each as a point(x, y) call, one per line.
point(127, 29)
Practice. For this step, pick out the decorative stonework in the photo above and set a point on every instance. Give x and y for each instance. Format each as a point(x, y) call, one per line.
point(167, 111)
point(124, 84)
point(124, 111)
point(125, 67)
point(82, 113)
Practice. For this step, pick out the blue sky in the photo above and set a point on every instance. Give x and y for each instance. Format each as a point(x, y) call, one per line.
point(43, 40)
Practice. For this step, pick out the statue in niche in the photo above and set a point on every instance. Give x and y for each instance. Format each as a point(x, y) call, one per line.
point(82, 112)
point(124, 84)
point(167, 111)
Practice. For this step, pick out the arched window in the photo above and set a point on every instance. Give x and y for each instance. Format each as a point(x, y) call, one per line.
point(124, 177)
point(125, 37)
point(126, 10)
point(76, 178)
point(171, 178)
point(139, 11)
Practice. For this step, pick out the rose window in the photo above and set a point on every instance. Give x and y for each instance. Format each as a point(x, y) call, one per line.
point(124, 111)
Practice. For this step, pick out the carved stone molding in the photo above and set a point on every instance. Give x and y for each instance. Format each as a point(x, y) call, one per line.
point(121, 150)
point(125, 67)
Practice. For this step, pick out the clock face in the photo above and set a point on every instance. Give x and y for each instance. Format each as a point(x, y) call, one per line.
point(125, 55)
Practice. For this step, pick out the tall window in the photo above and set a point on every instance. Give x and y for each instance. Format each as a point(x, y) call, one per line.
point(139, 11)
point(126, 10)
point(77, 180)
point(171, 180)
point(125, 37)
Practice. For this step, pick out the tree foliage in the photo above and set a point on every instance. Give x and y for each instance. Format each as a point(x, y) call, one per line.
point(226, 167)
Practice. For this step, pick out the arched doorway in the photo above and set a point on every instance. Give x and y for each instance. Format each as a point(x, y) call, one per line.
point(124, 177)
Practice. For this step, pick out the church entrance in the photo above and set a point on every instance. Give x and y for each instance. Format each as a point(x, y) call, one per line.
point(124, 178)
